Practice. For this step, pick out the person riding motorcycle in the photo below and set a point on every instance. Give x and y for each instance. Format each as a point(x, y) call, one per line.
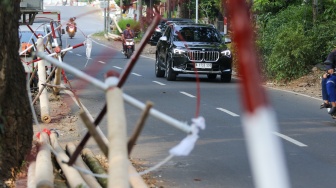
point(127, 34)
point(328, 84)
point(331, 91)
point(71, 22)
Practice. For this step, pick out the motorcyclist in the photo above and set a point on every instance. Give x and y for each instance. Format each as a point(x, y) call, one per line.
point(330, 62)
point(331, 91)
point(128, 33)
point(71, 22)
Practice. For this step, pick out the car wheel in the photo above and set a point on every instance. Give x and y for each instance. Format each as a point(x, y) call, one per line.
point(170, 74)
point(158, 71)
point(226, 77)
point(212, 76)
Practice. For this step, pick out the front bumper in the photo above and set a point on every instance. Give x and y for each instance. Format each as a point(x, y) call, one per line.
point(183, 64)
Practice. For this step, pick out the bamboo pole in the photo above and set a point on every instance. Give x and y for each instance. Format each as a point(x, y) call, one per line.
point(57, 80)
point(90, 180)
point(44, 101)
point(32, 76)
point(116, 120)
point(134, 177)
point(31, 183)
point(59, 87)
point(43, 86)
point(139, 127)
point(93, 132)
point(94, 165)
point(73, 177)
point(44, 169)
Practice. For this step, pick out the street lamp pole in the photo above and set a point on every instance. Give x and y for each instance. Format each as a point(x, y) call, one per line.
point(108, 19)
point(104, 16)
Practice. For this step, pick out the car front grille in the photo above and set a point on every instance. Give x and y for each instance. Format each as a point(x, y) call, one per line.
point(199, 56)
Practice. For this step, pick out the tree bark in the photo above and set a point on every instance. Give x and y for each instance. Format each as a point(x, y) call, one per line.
point(16, 131)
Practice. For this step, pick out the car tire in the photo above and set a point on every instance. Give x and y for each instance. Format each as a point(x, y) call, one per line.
point(158, 71)
point(212, 76)
point(170, 74)
point(226, 77)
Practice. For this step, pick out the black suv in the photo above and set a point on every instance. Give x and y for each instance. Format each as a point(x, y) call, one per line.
point(159, 30)
point(187, 48)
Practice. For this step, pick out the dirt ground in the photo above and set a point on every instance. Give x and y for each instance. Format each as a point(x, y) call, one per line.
point(309, 84)
point(64, 121)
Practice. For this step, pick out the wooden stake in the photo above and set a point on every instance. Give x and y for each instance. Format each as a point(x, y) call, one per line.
point(43, 86)
point(57, 80)
point(93, 132)
point(139, 127)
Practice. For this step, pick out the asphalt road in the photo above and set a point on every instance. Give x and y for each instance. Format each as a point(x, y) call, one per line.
point(219, 158)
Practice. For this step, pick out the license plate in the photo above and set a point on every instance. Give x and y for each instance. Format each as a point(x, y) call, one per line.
point(203, 65)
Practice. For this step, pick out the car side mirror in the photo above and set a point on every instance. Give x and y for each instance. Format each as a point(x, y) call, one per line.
point(163, 38)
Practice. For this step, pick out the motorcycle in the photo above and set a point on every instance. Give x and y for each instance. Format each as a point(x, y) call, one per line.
point(129, 47)
point(64, 2)
point(71, 30)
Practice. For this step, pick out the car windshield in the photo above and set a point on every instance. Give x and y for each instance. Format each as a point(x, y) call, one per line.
point(197, 34)
point(27, 36)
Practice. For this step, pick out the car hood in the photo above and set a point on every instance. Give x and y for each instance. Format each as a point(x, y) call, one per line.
point(200, 45)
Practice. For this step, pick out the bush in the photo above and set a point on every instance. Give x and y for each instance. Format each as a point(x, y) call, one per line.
point(135, 26)
point(291, 44)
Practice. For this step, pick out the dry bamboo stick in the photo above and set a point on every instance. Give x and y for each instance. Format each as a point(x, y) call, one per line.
point(94, 165)
point(73, 177)
point(59, 87)
point(139, 127)
point(134, 177)
point(44, 85)
point(57, 80)
point(89, 179)
point(44, 169)
point(32, 76)
point(93, 132)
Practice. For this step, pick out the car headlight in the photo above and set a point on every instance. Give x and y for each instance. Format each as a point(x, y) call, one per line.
point(178, 51)
point(226, 53)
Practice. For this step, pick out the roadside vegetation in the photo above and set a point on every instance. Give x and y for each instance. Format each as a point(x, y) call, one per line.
point(293, 36)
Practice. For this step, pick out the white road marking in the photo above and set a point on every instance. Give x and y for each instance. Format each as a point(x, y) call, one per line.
point(189, 95)
point(117, 67)
point(228, 112)
point(136, 74)
point(289, 139)
point(78, 55)
point(159, 83)
point(102, 62)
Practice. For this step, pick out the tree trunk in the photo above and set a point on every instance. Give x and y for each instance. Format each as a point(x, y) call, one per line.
point(315, 10)
point(16, 131)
